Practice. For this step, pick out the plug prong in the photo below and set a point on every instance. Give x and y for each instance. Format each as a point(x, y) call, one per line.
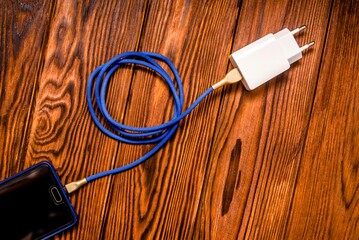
point(297, 30)
point(306, 46)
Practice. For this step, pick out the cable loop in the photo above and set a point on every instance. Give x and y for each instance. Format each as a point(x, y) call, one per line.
point(98, 84)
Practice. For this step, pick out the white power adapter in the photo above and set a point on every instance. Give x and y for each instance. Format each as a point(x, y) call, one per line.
point(268, 57)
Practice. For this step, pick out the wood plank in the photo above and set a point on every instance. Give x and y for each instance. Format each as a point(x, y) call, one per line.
point(21, 25)
point(159, 199)
point(260, 134)
point(82, 36)
point(326, 200)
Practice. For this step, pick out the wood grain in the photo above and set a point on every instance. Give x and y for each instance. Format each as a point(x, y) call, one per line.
point(80, 39)
point(257, 150)
point(279, 162)
point(159, 199)
point(326, 198)
point(22, 25)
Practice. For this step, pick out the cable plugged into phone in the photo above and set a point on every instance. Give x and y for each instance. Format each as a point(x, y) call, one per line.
point(254, 64)
point(73, 186)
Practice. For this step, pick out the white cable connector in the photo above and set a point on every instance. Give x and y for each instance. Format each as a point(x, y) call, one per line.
point(268, 57)
point(73, 186)
point(232, 76)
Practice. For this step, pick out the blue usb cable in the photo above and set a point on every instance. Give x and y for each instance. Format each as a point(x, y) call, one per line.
point(160, 134)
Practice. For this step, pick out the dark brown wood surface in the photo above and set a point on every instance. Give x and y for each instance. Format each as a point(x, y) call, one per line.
point(279, 162)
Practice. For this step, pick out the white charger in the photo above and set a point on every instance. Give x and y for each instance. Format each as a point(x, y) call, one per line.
point(268, 57)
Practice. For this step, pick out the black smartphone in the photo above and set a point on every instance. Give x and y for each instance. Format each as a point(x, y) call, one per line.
point(34, 204)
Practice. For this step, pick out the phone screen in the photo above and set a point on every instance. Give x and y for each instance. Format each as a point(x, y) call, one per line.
point(33, 205)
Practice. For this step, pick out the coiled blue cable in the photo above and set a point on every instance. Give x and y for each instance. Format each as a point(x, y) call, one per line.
point(98, 83)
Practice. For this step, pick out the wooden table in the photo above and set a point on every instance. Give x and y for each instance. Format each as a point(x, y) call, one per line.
point(279, 162)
